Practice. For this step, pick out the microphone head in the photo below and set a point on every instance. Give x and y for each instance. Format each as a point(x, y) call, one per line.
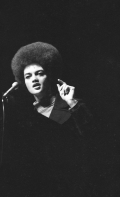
point(15, 84)
point(14, 87)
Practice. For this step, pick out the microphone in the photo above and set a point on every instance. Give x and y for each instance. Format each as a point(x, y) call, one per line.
point(14, 86)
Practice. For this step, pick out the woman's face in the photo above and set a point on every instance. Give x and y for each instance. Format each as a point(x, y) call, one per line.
point(36, 80)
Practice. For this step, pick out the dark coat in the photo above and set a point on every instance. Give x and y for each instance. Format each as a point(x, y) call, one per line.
point(42, 156)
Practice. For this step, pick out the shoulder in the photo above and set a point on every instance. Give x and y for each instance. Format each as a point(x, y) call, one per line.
point(61, 112)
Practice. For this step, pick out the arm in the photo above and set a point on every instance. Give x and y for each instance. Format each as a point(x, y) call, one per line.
point(82, 117)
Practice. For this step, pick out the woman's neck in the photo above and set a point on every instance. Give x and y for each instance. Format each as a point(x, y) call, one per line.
point(44, 101)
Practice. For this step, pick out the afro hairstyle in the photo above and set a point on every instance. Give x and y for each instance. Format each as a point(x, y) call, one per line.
point(39, 53)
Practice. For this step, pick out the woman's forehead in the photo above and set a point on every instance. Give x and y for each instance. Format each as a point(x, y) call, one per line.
point(32, 67)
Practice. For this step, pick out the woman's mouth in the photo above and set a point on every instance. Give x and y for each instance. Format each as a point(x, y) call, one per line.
point(36, 86)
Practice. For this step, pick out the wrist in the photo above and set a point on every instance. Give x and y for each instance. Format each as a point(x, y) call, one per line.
point(72, 102)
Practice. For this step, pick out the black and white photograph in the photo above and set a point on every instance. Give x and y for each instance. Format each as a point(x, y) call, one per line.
point(60, 98)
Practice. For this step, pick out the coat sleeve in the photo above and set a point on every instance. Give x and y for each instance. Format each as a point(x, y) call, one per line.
point(82, 117)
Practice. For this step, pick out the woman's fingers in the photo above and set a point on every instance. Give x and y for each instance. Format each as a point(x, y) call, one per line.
point(61, 81)
point(67, 90)
point(58, 86)
point(63, 89)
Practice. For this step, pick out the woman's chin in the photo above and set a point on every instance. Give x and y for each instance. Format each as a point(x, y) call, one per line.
point(36, 92)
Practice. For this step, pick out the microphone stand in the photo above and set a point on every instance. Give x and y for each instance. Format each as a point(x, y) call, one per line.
point(3, 128)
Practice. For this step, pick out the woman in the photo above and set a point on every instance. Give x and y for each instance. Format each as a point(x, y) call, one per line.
point(38, 66)
point(45, 139)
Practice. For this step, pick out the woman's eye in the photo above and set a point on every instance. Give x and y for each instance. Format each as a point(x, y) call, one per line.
point(27, 77)
point(41, 73)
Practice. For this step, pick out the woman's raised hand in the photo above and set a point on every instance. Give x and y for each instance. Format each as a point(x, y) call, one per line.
point(66, 92)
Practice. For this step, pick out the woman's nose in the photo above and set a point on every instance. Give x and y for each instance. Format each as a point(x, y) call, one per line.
point(34, 78)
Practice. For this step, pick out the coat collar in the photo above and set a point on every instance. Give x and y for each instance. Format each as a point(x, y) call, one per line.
point(60, 112)
point(60, 103)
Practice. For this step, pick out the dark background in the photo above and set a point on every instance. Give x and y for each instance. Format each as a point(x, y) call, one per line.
point(87, 34)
